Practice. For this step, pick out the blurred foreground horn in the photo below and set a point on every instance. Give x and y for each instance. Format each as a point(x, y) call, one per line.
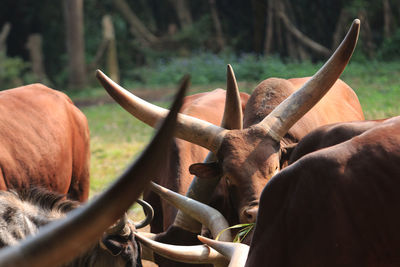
point(59, 242)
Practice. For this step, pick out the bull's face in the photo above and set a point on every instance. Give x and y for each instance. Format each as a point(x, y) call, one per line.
point(247, 160)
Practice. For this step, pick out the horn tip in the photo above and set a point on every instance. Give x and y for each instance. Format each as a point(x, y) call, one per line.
point(356, 22)
point(99, 73)
point(204, 240)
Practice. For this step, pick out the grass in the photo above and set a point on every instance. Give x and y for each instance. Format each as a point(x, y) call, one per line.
point(117, 137)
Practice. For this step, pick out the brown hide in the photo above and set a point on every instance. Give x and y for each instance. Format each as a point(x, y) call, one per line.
point(44, 141)
point(337, 206)
point(206, 106)
point(329, 135)
point(249, 158)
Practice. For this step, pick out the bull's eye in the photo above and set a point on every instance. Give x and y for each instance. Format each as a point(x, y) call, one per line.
point(276, 171)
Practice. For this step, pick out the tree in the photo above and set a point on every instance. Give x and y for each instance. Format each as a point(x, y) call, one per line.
point(73, 12)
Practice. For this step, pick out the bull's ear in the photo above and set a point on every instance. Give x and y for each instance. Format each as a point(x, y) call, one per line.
point(286, 151)
point(206, 170)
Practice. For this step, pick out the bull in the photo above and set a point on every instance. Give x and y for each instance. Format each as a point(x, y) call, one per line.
point(44, 141)
point(334, 206)
point(279, 113)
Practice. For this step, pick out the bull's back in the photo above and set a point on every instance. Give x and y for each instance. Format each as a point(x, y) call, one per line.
point(44, 141)
point(340, 104)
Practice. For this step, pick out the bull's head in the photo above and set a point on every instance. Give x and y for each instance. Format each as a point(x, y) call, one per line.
point(249, 157)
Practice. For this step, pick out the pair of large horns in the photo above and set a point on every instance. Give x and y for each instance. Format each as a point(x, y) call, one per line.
point(201, 189)
point(208, 216)
point(276, 124)
point(61, 241)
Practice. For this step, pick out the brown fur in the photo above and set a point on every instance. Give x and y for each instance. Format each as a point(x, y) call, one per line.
point(337, 206)
point(44, 141)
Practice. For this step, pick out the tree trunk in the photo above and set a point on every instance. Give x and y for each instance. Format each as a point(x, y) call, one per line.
point(73, 12)
point(137, 28)
point(34, 45)
point(183, 12)
point(387, 19)
point(112, 58)
point(3, 37)
point(258, 22)
point(366, 36)
point(340, 29)
point(269, 27)
point(302, 38)
point(217, 25)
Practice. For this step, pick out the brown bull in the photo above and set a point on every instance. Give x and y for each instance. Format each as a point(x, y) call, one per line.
point(44, 141)
point(206, 106)
point(336, 206)
point(248, 158)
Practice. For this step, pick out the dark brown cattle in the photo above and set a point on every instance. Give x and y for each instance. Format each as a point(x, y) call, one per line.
point(329, 135)
point(248, 158)
point(44, 141)
point(336, 206)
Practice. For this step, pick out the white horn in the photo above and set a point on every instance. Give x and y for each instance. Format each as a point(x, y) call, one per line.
point(287, 113)
point(208, 216)
point(188, 128)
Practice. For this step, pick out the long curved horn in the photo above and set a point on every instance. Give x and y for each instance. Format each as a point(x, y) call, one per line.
point(201, 189)
point(82, 227)
point(208, 216)
point(199, 254)
point(235, 252)
point(148, 212)
point(188, 128)
point(282, 118)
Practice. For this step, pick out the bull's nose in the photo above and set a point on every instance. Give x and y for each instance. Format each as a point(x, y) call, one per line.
point(250, 214)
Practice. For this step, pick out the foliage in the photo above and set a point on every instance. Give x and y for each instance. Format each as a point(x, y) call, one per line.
point(243, 27)
point(13, 72)
point(207, 68)
point(390, 49)
point(245, 228)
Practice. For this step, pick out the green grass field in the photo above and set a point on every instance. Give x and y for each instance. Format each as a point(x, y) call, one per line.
point(117, 137)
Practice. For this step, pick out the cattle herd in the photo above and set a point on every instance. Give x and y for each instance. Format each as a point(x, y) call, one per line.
point(295, 158)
